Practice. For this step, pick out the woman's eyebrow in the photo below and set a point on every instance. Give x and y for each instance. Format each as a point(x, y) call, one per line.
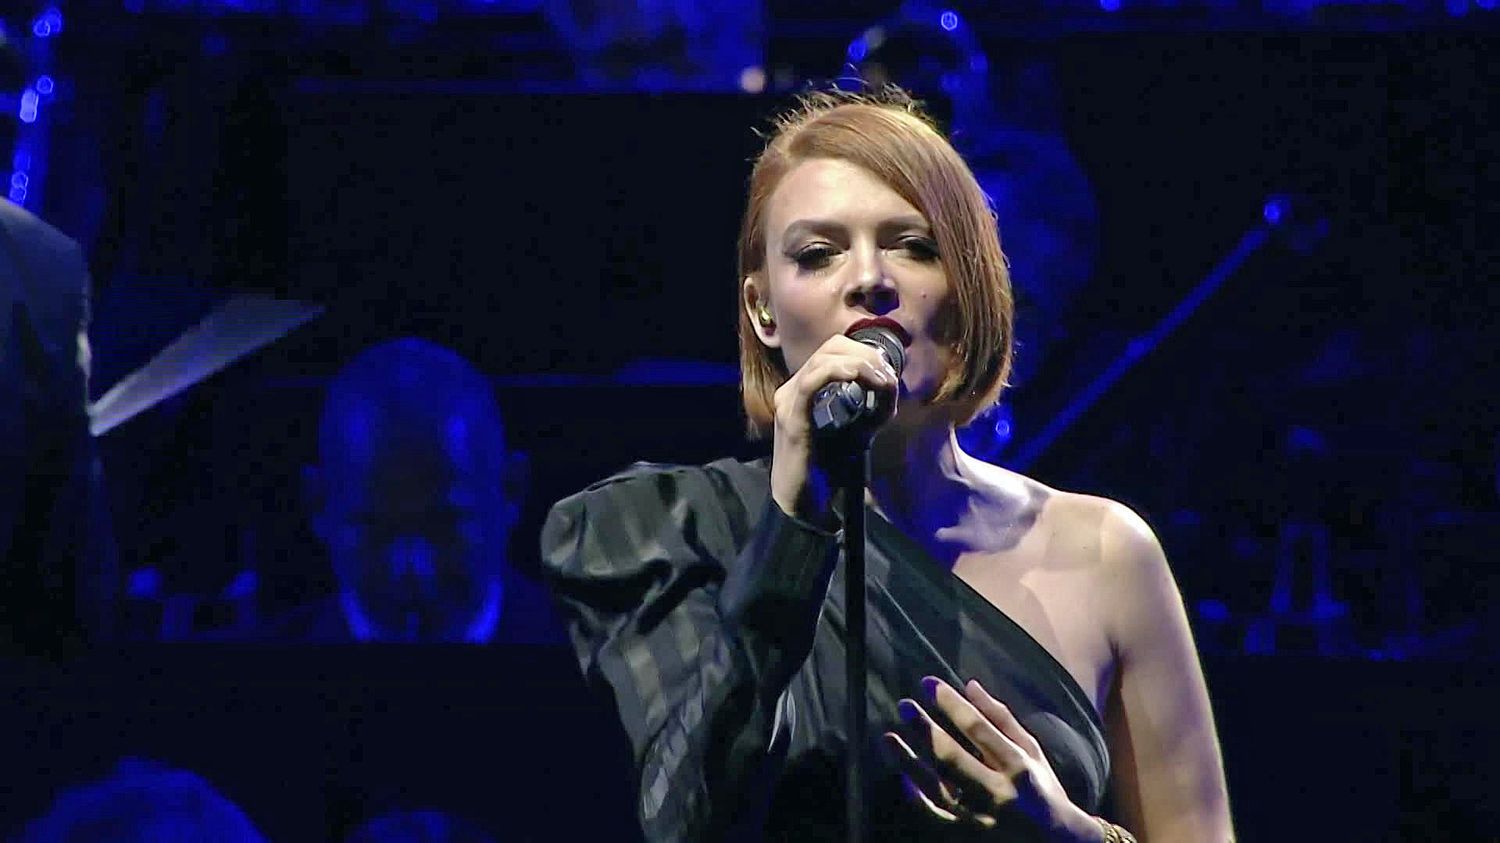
point(810, 226)
point(833, 228)
point(904, 222)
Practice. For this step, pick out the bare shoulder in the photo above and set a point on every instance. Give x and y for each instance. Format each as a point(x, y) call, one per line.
point(1120, 537)
point(1127, 544)
point(1130, 543)
point(1133, 575)
point(1127, 567)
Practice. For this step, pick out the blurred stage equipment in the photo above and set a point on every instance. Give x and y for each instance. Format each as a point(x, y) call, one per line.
point(663, 44)
point(649, 18)
point(1302, 595)
point(231, 331)
point(1306, 11)
point(609, 45)
point(1281, 221)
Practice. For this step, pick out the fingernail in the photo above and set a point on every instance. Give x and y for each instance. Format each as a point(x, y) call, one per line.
point(930, 685)
point(890, 749)
point(974, 685)
point(908, 711)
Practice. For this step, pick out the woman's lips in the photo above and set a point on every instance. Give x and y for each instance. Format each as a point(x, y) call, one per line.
point(882, 322)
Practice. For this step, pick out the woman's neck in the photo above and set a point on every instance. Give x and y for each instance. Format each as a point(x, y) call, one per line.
point(922, 482)
point(918, 476)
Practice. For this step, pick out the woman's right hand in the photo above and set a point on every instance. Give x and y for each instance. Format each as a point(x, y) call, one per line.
point(799, 482)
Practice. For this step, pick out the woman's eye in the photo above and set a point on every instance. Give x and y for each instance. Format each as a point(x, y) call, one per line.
point(920, 248)
point(813, 257)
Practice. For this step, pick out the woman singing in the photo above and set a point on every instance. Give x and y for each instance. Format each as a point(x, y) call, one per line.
point(1028, 649)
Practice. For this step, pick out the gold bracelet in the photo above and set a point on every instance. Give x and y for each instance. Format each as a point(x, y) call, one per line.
point(1114, 833)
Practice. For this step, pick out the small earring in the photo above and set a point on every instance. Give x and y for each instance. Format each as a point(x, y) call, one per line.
point(765, 317)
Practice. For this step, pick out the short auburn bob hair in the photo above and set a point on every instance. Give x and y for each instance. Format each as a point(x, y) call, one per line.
point(889, 134)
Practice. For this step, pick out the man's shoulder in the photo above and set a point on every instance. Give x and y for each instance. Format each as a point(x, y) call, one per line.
point(29, 234)
point(45, 271)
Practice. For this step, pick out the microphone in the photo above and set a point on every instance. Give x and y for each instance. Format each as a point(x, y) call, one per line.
point(847, 406)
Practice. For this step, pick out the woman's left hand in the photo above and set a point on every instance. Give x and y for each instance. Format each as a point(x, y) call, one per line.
point(1010, 775)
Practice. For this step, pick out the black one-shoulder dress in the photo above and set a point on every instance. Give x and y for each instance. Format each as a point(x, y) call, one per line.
point(714, 622)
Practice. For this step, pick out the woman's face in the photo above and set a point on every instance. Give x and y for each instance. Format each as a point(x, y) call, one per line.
point(842, 246)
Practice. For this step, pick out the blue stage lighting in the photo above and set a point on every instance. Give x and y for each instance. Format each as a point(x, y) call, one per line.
point(1213, 610)
point(29, 101)
point(48, 23)
point(143, 583)
point(1002, 429)
point(1275, 210)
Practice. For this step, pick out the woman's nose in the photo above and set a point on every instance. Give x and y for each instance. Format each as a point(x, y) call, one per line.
point(871, 288)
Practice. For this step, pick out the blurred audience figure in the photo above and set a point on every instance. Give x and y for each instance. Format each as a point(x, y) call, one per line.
point(419, 827)
point(414, 495)
point(143, 802)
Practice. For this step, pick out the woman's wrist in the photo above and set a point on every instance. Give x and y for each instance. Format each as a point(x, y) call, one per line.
point(1076, 825)
point(1081, 827)
point(804, 494)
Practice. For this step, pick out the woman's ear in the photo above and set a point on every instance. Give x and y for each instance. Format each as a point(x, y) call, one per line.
point(758, 308)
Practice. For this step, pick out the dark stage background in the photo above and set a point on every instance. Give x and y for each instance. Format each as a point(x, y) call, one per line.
point(1254, 248)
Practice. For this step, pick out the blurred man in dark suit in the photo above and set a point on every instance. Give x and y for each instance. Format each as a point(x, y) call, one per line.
point(46, 453)
point(48, 593)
